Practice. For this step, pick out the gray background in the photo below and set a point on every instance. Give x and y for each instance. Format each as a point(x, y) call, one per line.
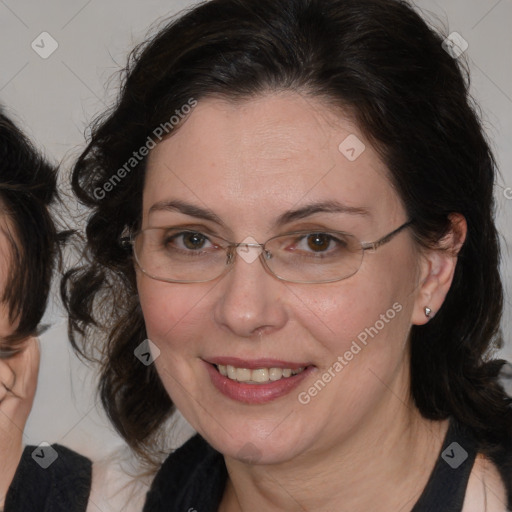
point(54, 99)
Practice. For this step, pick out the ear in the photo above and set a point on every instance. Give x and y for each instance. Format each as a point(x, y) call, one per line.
point(437, 270)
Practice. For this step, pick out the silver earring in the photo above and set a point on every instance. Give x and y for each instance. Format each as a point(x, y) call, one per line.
point(427, 311)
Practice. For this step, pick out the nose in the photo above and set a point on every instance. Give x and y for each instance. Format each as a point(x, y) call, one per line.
point(250, 300)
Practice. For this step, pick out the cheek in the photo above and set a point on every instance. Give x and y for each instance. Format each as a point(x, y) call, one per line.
point(361, 333)
point(354, 311)
point(171, 311)
point(6, 327)
point(364, 320)
point(173, 314)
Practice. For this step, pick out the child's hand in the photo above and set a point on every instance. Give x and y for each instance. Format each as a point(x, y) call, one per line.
point(18, 382)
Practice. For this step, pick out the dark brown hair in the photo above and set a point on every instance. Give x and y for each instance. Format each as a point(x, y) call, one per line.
point(27, 189)
point(380, 61)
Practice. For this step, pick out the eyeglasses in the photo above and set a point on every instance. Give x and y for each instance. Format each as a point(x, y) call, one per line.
point(181, 255)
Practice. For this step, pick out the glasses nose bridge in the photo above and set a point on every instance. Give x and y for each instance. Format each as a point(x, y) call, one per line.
point(238, 248)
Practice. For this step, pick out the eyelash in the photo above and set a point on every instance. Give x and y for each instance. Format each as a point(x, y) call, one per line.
point(298, 239)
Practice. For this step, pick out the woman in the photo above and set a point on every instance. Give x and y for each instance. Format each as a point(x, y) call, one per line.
point(292, 242)
point(50, 478)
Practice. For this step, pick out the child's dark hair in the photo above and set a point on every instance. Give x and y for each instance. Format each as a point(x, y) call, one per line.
point(27, 188)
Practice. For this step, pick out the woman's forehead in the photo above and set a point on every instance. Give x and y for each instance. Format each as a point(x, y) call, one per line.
point(274, 126)
point(277, 148)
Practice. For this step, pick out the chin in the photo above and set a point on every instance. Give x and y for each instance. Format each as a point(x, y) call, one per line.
point(259, 443)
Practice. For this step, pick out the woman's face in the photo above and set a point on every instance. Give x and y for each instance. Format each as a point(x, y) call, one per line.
point(250, 163)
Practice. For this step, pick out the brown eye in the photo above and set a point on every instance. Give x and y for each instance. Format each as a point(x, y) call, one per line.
point(318, 241)
point(189, 241)
point(193, 240)
point(317, 245)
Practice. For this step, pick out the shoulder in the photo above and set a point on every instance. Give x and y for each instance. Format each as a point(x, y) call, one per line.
point(486, 490)
point(119, 482)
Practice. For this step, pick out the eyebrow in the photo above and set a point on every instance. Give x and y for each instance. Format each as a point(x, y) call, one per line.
point(187, 209)
point(285, 218)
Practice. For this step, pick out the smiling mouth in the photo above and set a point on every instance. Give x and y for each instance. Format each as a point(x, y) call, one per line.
point(264, 381)
point(257, 375)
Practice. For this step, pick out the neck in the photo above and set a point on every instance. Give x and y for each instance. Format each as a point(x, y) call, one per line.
point(394, 448)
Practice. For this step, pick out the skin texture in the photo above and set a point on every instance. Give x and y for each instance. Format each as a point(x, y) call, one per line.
point(18, 381)
point(249, 162)
point(485, 488)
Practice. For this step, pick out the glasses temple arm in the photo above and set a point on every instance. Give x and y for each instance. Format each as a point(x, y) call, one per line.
point(385, 239)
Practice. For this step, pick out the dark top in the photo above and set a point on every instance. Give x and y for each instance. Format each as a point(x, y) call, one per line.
point(194, 477)
point(50, 478)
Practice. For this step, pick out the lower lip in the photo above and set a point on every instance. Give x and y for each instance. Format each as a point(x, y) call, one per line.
point(255, 393)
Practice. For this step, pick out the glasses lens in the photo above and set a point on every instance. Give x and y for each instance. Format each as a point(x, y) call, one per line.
point(174, 255)
point(314, 257)
point(180, 255)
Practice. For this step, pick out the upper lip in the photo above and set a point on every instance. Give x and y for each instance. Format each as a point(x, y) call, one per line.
point(254, 364)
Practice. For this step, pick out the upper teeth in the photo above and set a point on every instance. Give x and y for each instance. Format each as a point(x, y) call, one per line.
point(258, 375)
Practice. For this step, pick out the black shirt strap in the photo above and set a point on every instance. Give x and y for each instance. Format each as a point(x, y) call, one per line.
point(446, 487)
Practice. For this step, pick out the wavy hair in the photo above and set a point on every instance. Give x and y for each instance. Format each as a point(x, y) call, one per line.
point(27, 191)
point(378, 60)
